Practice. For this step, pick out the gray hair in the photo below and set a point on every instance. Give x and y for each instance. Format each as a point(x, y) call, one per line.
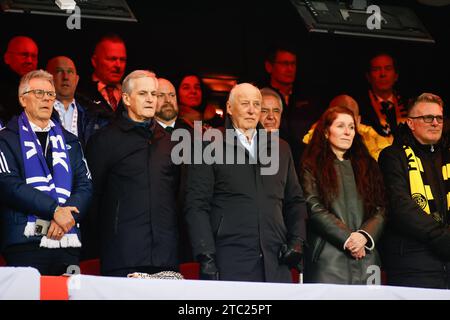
point(425, 97)
point(269, 92)
point(24, 85)
point(127, 84)
point(236, 89)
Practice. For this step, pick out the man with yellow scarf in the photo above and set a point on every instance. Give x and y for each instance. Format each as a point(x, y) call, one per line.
point(416, 171)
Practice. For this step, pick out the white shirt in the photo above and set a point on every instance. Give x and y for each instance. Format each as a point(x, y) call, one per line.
point(249, 145)
point(166, 125)
point(66, 116)
point(390, 99)
point(36, 128)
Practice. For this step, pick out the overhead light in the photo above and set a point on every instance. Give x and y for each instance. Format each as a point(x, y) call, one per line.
point(93, 9)
point(66, 4)
point(350, 18)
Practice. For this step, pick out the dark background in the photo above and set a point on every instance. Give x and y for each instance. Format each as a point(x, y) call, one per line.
point(230, 38)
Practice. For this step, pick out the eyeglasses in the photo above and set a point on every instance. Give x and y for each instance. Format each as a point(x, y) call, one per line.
point(39, 93)
point(429, 118)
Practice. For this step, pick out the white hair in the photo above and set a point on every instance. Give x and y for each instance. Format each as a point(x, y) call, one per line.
point(235, 90)
point(127, 84)
point(269, 92)
point(24, 85)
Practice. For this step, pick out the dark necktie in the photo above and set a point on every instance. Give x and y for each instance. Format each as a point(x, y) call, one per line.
point(111, 97)
point(387, 108)
point(169, 129)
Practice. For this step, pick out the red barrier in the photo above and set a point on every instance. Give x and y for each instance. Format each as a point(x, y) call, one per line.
point(54, 288)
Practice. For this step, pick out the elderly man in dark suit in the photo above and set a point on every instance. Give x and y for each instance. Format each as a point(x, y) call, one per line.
point(246, 224)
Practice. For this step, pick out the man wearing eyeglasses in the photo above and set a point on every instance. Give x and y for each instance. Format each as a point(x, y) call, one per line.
point(416, 171)
point(21, 57)
point(299, 111)
point(45, 186)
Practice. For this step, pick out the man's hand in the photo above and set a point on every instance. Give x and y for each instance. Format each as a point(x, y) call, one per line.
point(63, 217)
point(55, 232)
point(208, 269)
point(291, 254)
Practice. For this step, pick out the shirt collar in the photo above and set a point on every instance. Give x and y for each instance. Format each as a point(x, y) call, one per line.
point(101, 85)
point(60, 106)
point(166, 125)
point(36, 128)
point(243, 137)
point(390, 99)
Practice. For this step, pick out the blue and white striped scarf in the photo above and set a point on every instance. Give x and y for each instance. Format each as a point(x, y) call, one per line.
point(58, 185)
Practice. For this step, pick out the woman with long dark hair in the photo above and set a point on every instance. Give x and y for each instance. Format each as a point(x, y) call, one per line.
point(192, 97)
point(344, 192)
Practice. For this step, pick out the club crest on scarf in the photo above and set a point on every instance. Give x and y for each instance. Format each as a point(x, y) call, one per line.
point(56, 183)
point(420, 200)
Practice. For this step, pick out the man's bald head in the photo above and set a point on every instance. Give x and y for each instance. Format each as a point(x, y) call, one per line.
point(244, 106)
point(21, 55)
point(65, 76)
point(348, 102)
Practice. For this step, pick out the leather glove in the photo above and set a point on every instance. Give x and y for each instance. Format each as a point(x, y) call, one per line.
point(291, 254)
point(208, 269)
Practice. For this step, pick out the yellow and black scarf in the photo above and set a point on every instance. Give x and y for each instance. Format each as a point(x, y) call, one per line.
point(419, 187)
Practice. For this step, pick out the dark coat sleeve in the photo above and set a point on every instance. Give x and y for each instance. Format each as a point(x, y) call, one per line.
point(324, 223)
point(294, 207)
point(199, 193)
point(98, 154)
point(374, 225)
point(80, 196)
point(16, 194)
point(404, 214)
point(97, 157)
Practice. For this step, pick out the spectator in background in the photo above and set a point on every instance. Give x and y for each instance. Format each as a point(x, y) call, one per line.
point(345, 198)
point(166, 116)
point(382, 107)
point(271, 109)
point(21, 57)
point(104, 90)
point(166, 113)
point(191, 93)
point(373, 141)
point(416, 244)
point(45, 186)
point(72, 114)
point(299, 113)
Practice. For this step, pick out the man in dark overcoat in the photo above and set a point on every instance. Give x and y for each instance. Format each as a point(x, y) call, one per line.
point(246, 219)
point(135, 185)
